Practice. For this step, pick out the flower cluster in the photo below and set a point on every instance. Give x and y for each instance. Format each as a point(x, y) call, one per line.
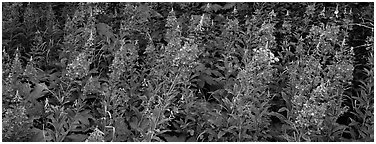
point(119, 96)
point(91, 86)
point(199, 22)
point(72, 41)
point(79, 68)
point(232, 25)
point(96, 136)
point(308, 107)
point(32, 72)
point(174, 28)
point(313, 112)
point(90, 29)
point(341, 72)
point(125, 59)
point(173, 35)
point(11, 77)
point(258, 70)
point(266, 34)
point(187, 54)
point(14, 122)
point(311, 116)
point(69, 39)
point(83, 20)
point(16, 68)
point(318, 77)
point(264, 55)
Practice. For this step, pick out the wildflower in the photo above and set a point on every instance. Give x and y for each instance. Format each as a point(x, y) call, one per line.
point(124, 61)
point(186, 54)
point(96, 136)
point(79, 68)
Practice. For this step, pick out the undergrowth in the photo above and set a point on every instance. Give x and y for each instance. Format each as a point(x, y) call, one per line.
point(148, 72)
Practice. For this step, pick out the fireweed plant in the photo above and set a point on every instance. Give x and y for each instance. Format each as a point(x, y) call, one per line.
point(318, 79)
point(154, 72)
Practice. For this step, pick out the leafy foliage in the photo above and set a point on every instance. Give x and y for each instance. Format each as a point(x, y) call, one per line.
point(109, 72)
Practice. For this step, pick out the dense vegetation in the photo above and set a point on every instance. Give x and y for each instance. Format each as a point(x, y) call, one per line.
point(187, 72)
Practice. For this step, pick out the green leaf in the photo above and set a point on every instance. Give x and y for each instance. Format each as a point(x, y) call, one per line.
point(84, 117)
point(283, 109)
point(278, 115)
point(362, 102)
point(180, 138)
point(163, 131)
point(81, 122)
point(221, 133)
point(194, 77)
point(247, 136)
point(157, 139)
point(77, 137)
point(306, 138)
point(24, 89)
point(216, 73)
point(232, 127)
point(154, 13)
point(163, 121)
point(287, 100)
point(38, 136)
point(265, 111)
point(38, 91)
point(146, 124)
point(211, 7)
point(340, 127)
point(133, 125)
point(337, 131)
point(191, 139)
point(208, 79)
point(228, 6)
point(353, 122)
point(105, 30)
point(360, 113)
point(201, 83)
